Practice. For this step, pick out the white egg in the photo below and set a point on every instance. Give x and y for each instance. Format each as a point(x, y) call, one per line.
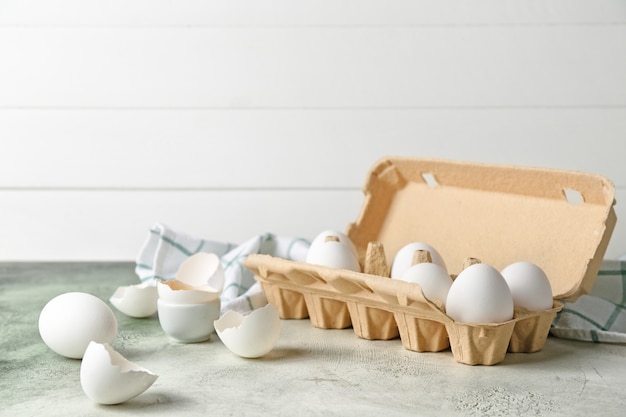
point(320, 238)
point(432, 279)
point(136, 300)
point(108, 378)
point(404, 258)
point(529, 285)
point(252, 335)
point(69, 321)
point(333, 254)
point(479, 294)
point(201, 270)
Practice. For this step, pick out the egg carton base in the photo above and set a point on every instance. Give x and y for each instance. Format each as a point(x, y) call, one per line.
point(471, 344)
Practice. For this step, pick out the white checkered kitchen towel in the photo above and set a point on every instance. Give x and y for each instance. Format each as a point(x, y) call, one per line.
point(165, 249)
point(599, 316)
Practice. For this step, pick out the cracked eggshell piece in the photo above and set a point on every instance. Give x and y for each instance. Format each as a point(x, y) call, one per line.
point(252, 335)
point(178, 292)
point(69, 321)
point(108, 378)
point(201, 270)
point(136, 300)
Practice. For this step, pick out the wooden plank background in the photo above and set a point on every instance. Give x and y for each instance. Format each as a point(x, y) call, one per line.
point(224, 119)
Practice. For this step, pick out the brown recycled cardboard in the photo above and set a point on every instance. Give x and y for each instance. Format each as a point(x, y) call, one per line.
point(560, 220)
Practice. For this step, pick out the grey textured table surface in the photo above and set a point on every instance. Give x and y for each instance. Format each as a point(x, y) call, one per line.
point(310, 371)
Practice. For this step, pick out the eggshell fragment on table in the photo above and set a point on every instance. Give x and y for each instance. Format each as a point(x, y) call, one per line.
point(252, 335)
point(108, 378)
point(136, 300)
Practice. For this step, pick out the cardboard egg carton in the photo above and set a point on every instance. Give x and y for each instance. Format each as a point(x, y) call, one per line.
point(560, 220)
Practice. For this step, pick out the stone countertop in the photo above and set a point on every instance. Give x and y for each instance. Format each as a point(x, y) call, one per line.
point(310, 371)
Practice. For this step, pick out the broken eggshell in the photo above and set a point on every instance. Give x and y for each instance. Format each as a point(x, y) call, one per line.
point(201, 270)
point(252, 335)
point(108, 378)
point(136, 300)
point(178, 292)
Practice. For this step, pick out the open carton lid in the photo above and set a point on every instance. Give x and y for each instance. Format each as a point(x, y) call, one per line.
point(560, 220)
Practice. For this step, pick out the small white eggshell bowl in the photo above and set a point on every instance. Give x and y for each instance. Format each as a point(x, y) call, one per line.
point(108, 378)
point(136, 300)
point(188, 323)
point(178, 292)
point(252, 335)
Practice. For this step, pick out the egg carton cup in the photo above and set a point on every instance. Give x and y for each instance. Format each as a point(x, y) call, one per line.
point(379, 308)
point(559, 220)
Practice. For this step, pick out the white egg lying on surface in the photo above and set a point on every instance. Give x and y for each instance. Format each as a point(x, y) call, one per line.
point(432, 279)
point(201, 270)
point(108, 378)
point(252, 335)
point(69, 321)
point(479, 294)
point(529, 286)
point(136, 300)
point(403, 259)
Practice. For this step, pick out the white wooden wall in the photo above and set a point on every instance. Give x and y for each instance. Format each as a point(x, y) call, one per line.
point(228, 118)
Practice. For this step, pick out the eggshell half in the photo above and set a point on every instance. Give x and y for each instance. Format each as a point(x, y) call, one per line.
point(108, 378)
point(202, 269)
point(136, 300)
point(252, 335)
point(178, 292)
point(403, 259)
point(69, 321)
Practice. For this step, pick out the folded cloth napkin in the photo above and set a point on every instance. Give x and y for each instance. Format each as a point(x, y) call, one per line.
point(599, 316)
point(165, 250)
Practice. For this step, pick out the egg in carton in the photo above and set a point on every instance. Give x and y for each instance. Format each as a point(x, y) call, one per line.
point(560, 220)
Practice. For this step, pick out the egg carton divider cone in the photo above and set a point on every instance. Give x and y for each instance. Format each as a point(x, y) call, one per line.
point(499, 214)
